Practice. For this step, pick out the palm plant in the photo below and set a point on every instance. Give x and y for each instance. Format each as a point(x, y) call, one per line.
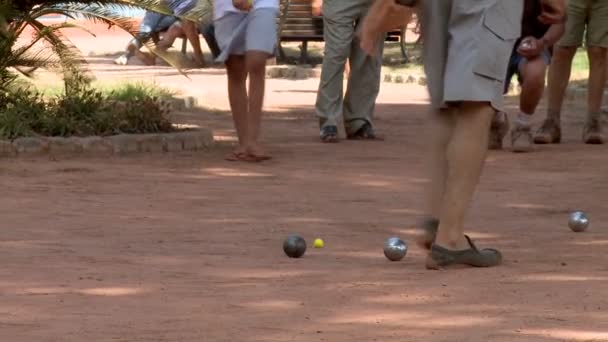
point(61, 54)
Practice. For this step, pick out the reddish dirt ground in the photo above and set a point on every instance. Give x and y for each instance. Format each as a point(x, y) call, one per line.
point(187, 247)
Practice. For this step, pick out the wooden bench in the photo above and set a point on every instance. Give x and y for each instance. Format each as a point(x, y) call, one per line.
point(399, 36)
point(297, 24)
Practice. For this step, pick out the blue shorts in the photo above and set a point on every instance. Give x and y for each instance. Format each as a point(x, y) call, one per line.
point(152, 23)
point(155, 22)
point(515, 65)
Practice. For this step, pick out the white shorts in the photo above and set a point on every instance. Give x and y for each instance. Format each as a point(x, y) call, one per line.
point(237, 33)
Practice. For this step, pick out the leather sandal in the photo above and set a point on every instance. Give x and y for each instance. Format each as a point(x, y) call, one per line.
point(441, 257)
point(365, 132)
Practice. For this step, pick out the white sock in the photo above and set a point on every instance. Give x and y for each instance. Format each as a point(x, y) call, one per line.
point(523, 119)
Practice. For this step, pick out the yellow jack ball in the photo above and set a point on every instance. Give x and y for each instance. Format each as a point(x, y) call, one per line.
point(318, 243)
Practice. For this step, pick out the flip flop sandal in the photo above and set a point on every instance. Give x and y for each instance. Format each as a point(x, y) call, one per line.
point(366, 132)
point(239, 156)
point(440, 257)
point(429, 227)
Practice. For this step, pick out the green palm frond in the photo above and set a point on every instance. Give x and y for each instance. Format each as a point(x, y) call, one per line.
point(17, 15)
point(68, 53)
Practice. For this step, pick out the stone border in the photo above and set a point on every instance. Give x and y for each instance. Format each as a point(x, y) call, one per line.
point(183, 102)
point(404, 78)
point(301, 72)
point(292, 72)
point(105, 146)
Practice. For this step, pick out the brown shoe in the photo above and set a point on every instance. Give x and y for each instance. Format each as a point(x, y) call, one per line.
point(440, 257)
point(521, 139)
point(365, 132)
point(592, 133)
point(498, 130)
point(549, 133)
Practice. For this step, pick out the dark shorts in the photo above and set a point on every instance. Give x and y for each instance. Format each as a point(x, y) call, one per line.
point(515, 65)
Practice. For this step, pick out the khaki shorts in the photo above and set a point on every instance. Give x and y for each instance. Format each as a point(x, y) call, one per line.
point(467, 47)
point(590, 16)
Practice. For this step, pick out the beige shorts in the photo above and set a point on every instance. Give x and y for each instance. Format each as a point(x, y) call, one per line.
point(467, 47)
point(586, 16)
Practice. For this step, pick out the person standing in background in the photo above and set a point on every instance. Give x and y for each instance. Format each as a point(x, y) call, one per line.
point(529, 60)
point(246, 32)
point(341, 19)
point(587, 19)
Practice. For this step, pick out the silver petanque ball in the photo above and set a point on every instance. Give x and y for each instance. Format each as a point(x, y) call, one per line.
point(578, 221)
point(526, 44)
point(395, 249)
point(294, 246)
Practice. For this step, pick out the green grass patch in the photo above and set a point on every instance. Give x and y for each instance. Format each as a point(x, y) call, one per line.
point(85, 111)
point(139, 90)
point(121, 91)
point(580, 65)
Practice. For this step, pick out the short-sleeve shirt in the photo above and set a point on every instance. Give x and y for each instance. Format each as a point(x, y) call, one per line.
point(223, 7)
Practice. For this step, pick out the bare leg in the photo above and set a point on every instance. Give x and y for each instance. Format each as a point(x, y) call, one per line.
point(593, 133)
point(174, 32)
point(465, 155)
point(237, 94)
point(191, 32)
point(256, 69)
point(440, 129)
point(559, 75)
point(598, 69)
point(163, 45)
point(533, 86)
point(533, 73)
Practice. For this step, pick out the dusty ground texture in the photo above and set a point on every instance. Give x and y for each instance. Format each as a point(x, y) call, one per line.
point(187, 247)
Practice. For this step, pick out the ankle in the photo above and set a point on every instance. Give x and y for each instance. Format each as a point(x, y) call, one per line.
point(458, 242)
point(593, 116)
point(523, 120)
point(554, 116)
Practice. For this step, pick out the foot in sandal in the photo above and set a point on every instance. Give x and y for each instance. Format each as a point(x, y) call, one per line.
point(441, 257)
point(257, 152)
